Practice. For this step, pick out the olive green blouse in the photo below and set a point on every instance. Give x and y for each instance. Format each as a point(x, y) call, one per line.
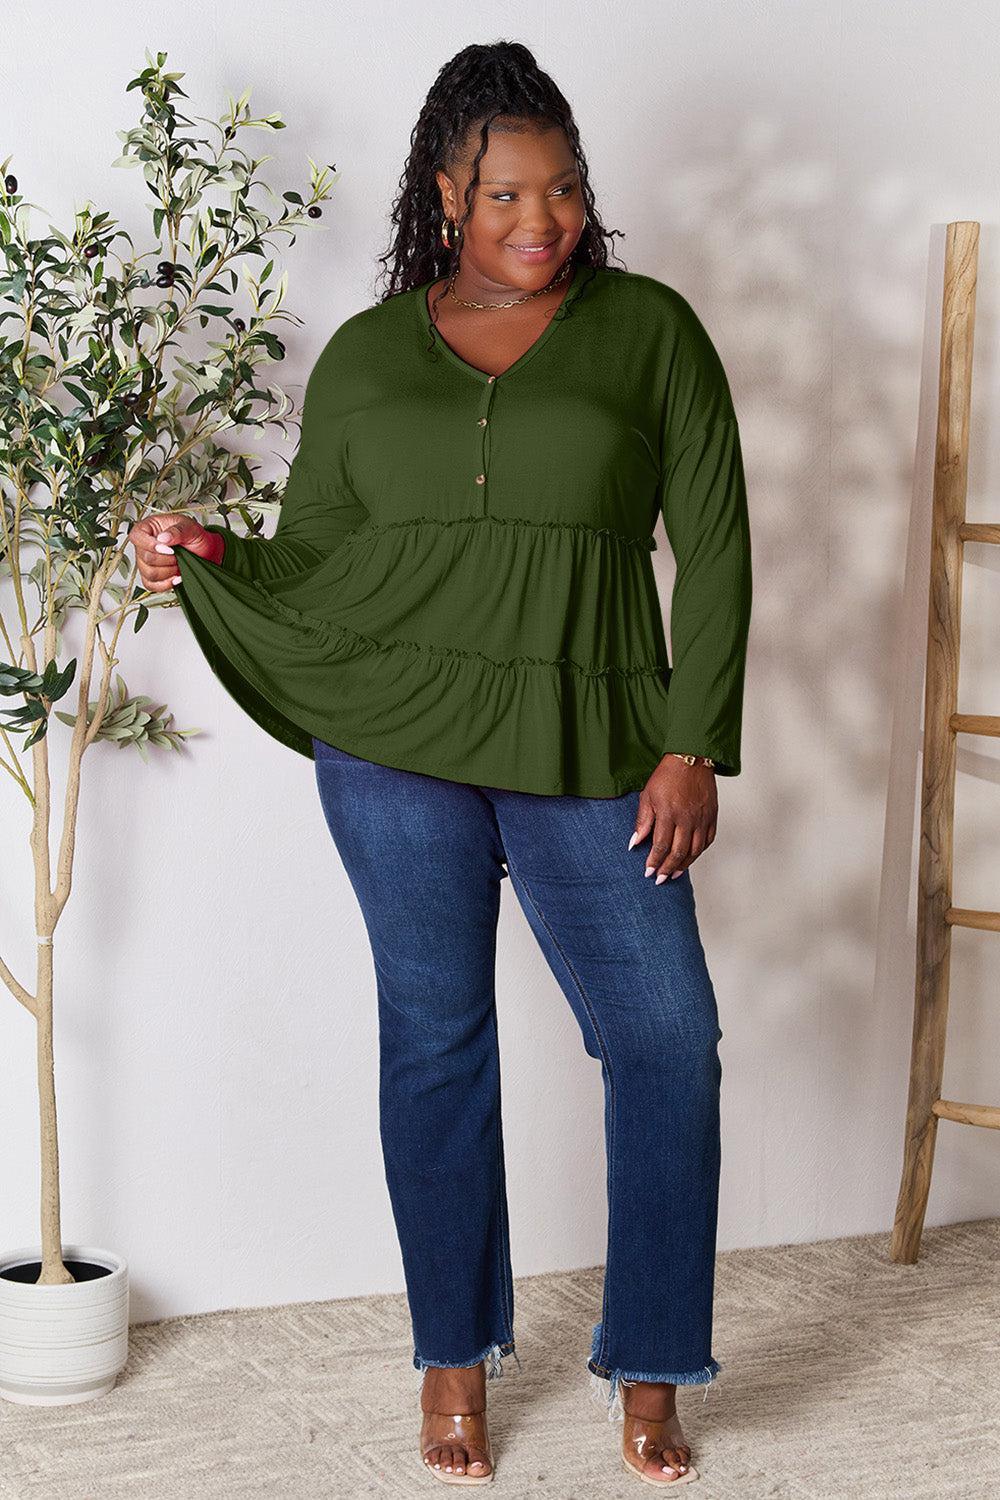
point(460, 579)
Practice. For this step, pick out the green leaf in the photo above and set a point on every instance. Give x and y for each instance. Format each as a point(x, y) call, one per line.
point(39, 734)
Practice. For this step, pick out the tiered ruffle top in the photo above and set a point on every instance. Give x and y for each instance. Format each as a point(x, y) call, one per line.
point(460, 581)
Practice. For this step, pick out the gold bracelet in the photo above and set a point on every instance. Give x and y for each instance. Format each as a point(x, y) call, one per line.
point(692, 760)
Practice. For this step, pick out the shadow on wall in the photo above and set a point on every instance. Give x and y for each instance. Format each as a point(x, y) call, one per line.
point(824, 301)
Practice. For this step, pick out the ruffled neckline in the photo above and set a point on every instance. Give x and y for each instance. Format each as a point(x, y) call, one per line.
point(442, 349)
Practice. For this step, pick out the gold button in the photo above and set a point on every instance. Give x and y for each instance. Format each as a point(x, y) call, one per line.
point(482, 421)
point(480, 478)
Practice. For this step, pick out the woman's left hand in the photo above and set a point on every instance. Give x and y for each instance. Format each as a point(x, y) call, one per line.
point(679, 806)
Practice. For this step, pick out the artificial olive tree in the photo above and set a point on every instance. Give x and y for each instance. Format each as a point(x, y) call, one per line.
point(120, 369)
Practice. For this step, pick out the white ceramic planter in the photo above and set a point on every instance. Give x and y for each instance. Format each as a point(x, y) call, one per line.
point(62, 1344)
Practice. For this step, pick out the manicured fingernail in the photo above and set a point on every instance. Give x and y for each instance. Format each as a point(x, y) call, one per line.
point(162, 547)
point(649, 870)
point(661, 878)
point(633, 841)
point(668, 1470)
point(177, 579)
point(677, 875)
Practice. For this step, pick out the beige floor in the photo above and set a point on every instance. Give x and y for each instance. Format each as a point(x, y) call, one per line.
point(842, 1374)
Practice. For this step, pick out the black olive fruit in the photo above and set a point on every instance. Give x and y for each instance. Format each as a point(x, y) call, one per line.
point(315, 211)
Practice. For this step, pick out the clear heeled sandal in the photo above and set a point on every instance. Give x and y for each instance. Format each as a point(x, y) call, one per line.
point(469, 1429)
point(643, 1436)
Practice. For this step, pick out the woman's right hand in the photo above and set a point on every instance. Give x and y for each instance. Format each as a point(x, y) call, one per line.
point(158, 569)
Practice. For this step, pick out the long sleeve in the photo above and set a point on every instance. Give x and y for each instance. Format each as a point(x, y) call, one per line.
point(703, 500)
point(319, 507)
point(459, 582)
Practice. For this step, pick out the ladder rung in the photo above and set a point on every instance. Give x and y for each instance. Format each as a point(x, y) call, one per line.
point(974, 723)
point(967, 1114)
point(970, 531)
point(960, 916)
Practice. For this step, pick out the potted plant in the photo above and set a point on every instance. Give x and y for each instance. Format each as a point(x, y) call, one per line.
point(119, 370)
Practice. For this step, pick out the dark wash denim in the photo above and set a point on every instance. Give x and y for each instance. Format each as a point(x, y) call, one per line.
point(425, 857)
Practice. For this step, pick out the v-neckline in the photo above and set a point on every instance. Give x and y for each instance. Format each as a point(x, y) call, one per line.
point(482, 375)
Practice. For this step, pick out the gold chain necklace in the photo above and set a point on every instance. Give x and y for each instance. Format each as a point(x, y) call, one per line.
point(560, 276)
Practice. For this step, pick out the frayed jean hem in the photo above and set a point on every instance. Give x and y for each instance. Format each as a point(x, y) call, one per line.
point(492, 1356)
point(606, 1383)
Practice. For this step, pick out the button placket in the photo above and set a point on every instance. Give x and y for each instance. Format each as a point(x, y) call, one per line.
point(483, 448)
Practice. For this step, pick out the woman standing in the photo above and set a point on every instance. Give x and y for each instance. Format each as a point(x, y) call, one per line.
point(457, 619)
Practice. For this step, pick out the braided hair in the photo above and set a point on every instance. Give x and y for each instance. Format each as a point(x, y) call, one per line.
point(478, 85)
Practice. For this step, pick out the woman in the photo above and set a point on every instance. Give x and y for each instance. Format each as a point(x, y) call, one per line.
point(457, 618)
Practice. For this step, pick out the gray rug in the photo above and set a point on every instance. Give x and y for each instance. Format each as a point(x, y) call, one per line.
point(842, 1374)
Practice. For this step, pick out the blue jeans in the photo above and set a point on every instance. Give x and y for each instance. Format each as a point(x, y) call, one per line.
point(425, 857)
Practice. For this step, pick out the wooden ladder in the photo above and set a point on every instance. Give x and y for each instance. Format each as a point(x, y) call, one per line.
point(935, 914)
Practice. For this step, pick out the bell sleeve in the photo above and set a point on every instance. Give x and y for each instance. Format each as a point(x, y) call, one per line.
point(703, 501)
point(279, 671)
point(318, 508)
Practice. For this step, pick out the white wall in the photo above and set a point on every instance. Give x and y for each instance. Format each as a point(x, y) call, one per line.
point(789, 168)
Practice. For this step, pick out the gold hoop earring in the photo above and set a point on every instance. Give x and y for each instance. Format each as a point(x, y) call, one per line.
point(446, 225)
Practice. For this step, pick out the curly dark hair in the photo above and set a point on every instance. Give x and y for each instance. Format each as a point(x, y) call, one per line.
point(478, 85)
